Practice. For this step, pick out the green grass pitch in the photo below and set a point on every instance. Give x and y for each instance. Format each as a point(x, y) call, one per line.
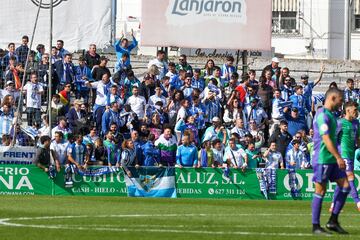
point(42, 218)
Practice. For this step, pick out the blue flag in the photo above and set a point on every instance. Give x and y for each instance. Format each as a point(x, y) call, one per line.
point(96, 171)
point(151, 182)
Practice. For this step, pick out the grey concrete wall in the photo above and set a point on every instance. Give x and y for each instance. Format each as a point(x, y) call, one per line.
point(336, 70)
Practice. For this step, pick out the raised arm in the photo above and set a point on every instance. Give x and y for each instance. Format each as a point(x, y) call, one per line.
point(321, 75)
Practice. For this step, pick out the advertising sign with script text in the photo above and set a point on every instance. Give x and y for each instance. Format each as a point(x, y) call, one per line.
point(231, 24)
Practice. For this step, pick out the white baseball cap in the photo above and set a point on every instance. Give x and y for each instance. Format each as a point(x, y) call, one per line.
point(216, 119)
point(275, 59)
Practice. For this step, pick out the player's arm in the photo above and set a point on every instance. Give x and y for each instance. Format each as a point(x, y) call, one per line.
point(332, 149)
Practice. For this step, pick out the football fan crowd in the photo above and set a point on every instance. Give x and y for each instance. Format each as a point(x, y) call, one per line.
point(176, 115)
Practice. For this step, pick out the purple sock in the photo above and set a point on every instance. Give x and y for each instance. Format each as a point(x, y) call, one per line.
point(316, 208)
point(340, 200)
point(336, 194)
point(354, 193)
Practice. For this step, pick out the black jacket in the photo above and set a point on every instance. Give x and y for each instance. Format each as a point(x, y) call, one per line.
point(282, 141)
point(43, 156)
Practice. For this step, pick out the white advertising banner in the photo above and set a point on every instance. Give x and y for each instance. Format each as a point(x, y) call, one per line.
point(231, 24)
point(77, 22)
point(17, 155)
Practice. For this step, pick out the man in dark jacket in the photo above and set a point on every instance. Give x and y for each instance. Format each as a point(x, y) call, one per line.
point(101, 69)
point(64, 72)
point(274, 68)
point(282, 138)
point(91, 57)
point(45, 157)
point(76, 117)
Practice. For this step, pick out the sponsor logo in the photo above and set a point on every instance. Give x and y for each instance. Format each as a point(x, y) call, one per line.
point(209, 178)
point(17, 154)
point(147, 182)
point(308, 186)
point(46, 3)
point(187, 12)
point(15, 179)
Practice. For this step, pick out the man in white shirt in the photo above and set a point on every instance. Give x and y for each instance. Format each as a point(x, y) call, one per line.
point(160, 62)
point(102, 91)
point(10, 90)
point(273, 158)
point(33, 91)
point(295, 158)
point(240, 129)
point(58, 145)
point(157, 97)
point(279, 106)
point(235, 157)
point(62, 127)
point(6, 120)
point(137, 103)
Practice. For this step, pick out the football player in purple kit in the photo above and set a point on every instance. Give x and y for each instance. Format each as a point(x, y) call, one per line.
point(328, 163)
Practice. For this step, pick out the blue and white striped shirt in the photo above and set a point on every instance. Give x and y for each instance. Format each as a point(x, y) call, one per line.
point(5, 123)
point(77, 152)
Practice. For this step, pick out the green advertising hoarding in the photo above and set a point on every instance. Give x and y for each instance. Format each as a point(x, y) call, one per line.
point(211, 183)
point(112, 184)
point(24, 180)
point(190, 183)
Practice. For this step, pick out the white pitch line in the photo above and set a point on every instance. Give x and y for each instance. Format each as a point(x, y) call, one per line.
point(200, 226)
point(6, 223)
point(173, 215)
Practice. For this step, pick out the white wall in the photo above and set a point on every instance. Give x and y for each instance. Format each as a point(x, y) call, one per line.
point(126, 8)
point(313, 13)
point(336, 29)
point(355, 46)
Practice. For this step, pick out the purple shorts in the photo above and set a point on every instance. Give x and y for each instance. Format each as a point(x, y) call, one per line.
point(325, 172)
point(349, 165)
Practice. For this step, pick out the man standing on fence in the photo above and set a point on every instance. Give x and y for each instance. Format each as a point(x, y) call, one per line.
point(33, 91)
point(328, 164)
